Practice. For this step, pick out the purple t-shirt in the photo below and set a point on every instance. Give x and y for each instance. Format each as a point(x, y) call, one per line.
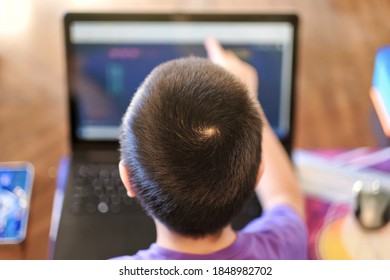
point(280, 233)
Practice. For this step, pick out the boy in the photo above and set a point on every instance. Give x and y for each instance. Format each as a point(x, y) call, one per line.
point(192, 155)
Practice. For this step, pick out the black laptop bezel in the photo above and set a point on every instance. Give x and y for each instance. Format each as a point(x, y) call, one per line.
point(69, 18)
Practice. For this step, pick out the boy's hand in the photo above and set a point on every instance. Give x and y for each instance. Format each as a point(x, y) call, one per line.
point(233, 64)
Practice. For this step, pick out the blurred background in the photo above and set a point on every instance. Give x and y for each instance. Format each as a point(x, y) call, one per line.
point(336, 51)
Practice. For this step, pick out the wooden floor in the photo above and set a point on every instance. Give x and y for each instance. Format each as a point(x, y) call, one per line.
point(337, 46)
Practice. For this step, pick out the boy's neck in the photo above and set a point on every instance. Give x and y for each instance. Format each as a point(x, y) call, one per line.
point(206, 245)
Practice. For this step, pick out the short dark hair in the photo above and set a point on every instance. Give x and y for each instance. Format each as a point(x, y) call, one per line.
point(192, 140)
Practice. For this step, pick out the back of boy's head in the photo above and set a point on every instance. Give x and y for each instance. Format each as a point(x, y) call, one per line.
point(192, 140)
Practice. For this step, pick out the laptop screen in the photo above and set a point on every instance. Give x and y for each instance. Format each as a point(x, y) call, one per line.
point(109, 58)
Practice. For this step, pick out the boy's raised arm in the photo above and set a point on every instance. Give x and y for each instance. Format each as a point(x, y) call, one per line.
point(278, 183)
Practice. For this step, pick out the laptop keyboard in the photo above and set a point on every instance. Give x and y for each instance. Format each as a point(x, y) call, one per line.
point(98, 189)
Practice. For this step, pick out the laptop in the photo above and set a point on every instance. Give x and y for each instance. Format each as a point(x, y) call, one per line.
point(107, 57)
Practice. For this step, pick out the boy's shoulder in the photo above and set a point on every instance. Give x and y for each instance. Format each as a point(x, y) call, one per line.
point(281, 232)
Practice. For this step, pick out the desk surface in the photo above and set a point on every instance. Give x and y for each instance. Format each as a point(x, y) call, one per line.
point(335, 68)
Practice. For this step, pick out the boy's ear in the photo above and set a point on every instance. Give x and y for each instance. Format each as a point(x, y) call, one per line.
point(125, 177)
point(260, 173)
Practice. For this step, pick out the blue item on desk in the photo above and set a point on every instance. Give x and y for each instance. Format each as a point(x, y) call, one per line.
point(15, 191)
point(381, 76)
point(63, 169)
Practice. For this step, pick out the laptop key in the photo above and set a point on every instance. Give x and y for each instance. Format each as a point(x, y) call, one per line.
point(104, 198)
point(98, 191)
point(104, 173)
point(75, 207)
point(116, 199)
point(115, 208)
point(83, 171)
point(127, 200)
point(91, 207)
point(122, 192)
point(103, 207)
point(110, 192)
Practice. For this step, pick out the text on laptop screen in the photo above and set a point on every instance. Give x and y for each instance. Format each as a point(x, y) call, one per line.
point(109, 60)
